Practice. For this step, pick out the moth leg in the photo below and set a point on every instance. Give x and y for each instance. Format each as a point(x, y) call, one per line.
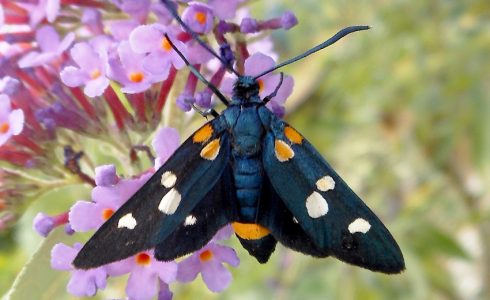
point(206, 113)
point(274, 93)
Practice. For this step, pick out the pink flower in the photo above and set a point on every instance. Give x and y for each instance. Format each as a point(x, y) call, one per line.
point(151, 39)
point(165, 143)
point(198, 16)
point(209, 262)
point(82, 282)
point(45, 9)
point(145, 274)
point(138, 9)
point(11, 121)
point(256, 64)
point(91, 71)
point(85, 216)
point(131, 73)
point(224, 9)
point(50, 45)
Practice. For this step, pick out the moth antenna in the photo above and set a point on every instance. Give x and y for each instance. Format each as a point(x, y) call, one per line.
point(194, 35)
point(197, 74)
point(319, 47)
point(274, 93)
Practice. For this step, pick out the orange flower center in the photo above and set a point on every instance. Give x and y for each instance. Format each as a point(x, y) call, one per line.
point(206, 255)
point(95, 74)
point(4, 127)
point(165, 44)
point(3, 204)
point(136, 76)
point(200, 17)
point(143, 259)
point(260, 82)
point(107, 213)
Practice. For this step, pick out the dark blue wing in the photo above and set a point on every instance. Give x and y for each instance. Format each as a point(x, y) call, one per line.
point(157, 209)
point(217, 209)
point(333, 216)
point(284, 227)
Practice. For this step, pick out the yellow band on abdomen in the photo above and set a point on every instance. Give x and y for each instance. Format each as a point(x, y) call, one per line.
point(249, 231)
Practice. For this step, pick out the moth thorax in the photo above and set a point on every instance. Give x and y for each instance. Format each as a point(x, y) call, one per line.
point(246, 89)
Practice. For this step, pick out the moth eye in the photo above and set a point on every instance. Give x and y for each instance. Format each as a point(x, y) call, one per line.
point(349, 242)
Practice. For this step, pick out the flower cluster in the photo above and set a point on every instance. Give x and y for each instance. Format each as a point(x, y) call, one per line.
point(81, 76)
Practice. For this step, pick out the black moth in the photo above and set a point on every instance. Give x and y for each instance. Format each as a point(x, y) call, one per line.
point(250, 169)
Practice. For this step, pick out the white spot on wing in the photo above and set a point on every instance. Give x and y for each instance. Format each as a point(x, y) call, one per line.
point(190, 220)
point(170, 202)
point(325, 183)
point(359, 225)
point(127, 221)
point(295, 220)
point(316, 205)
point(168, 179)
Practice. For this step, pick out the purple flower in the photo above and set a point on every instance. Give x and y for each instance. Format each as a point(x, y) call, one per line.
point(11, 121)
point(2, 15)
point(43, 224)
point(106, 200)
point(249, 25)
point(50, 45)
point(161, 12)
point(9, 85)
point(203, 99)
point(150, 39)
point(138, 9)
point(256, 64)
point(120, 29)
point(91, 71)
point(166, 141)
point(209, 262)
point(224, 9)
point(288, 20)
point(198, 16)
point(146, 272)
point(82, 282)
point(48, 9)
point(185, 100)
point(129, 70)
point(196, 54)
point(92, 18)
point(105, 175)
point(264, 46)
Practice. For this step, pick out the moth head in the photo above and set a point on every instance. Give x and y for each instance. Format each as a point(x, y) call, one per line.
point(246, 90)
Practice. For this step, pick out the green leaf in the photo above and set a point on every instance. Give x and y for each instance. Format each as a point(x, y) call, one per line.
point(434, 241)
point(38, 280)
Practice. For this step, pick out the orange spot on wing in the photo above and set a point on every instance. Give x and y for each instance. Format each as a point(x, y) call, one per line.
point(143, 259)
point(206, 255)
point(200, 17)
point(107, 213)
point(293, 135)
point(249, 231)
point(136, 76)
point(203, 134)
point(283, 151)
point(211, 150)
point(4, 127)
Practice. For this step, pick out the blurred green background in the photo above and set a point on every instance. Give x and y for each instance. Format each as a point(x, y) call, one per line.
point(402, 112)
